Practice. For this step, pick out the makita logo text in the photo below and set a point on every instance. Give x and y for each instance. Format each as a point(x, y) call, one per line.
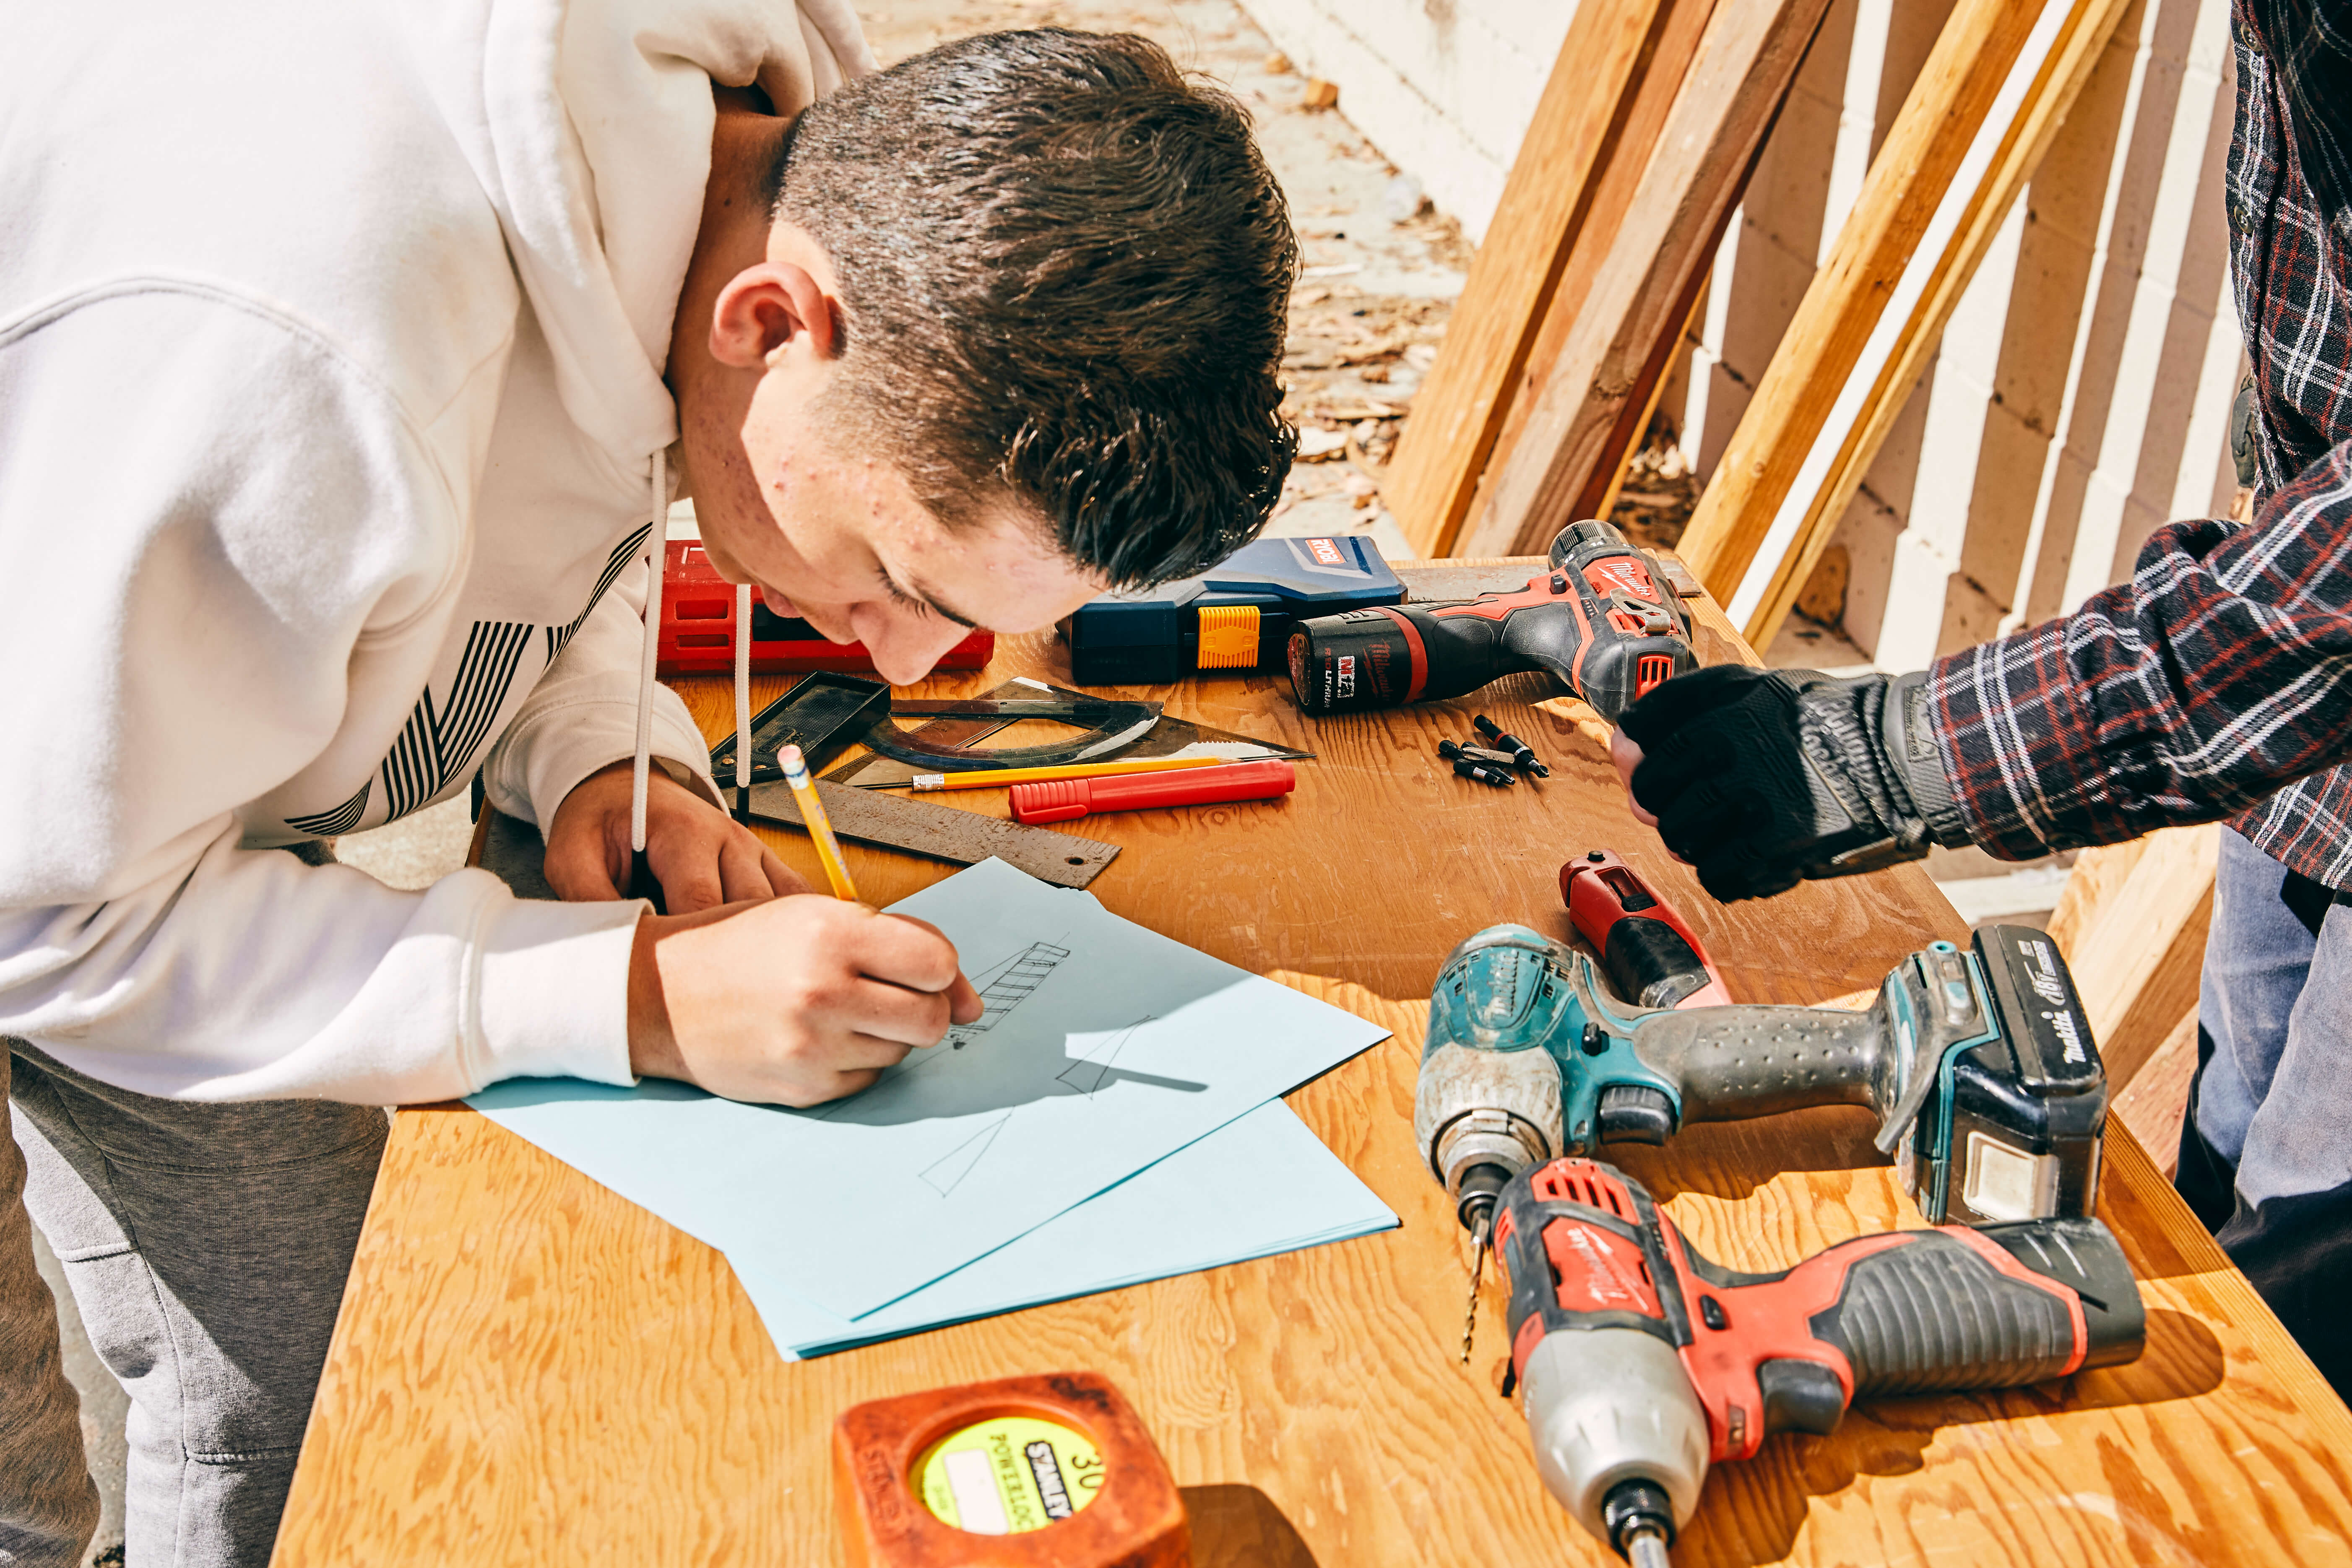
point(2062, 1023)
point(2042, 972)
point(1327, 551)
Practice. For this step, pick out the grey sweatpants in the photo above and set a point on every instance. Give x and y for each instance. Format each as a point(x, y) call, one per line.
point(208, 1246)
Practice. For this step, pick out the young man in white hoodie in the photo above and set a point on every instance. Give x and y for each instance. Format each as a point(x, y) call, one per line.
point(346, 355)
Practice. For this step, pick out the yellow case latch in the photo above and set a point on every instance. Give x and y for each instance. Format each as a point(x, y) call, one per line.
point(1228, 637)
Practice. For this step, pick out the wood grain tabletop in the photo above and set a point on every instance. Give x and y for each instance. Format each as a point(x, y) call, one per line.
point(529, 1368)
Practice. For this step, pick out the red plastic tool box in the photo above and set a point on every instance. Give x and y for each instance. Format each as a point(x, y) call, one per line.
point(698, 629)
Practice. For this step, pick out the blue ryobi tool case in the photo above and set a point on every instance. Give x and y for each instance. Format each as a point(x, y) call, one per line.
point(1237, 616)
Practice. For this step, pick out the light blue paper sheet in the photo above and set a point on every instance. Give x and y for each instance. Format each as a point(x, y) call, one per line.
point(1258, 1186)
point(1105, 1047)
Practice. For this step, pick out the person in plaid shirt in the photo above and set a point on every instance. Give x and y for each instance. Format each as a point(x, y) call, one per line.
point(2215, 684)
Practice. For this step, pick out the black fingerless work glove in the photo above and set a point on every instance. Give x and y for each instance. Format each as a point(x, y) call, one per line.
point(1760, 778)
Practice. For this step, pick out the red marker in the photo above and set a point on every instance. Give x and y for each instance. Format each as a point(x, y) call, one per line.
point(1059, 800)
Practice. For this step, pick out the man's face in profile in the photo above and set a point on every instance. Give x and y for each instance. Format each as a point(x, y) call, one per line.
point(795, 502)
point(840, 541)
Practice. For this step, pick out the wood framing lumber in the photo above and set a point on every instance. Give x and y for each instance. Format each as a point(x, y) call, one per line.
point(1567, 146)
point(2091, 884)
point(1825, 341)
point(1642, 294)
point(2137, 950)
point(2151, 1105)
point(1650, 103)
point(1607, 480)
point(1974, 129)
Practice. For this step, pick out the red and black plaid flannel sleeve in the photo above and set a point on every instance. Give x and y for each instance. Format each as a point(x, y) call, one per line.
point(2220, 673)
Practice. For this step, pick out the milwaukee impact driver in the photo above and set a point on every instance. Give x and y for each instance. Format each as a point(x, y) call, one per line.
point(1638, 1363)
point(1601, 620)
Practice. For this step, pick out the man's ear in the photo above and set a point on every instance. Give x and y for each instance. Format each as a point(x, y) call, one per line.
point(763, 307)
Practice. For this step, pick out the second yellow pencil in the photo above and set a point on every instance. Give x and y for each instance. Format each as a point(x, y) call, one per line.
point(1004, 778)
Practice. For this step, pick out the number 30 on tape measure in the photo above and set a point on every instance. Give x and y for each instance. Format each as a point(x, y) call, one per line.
point(1026, 1472)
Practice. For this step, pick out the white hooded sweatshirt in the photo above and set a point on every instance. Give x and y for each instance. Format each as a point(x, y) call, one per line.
point(331, 348)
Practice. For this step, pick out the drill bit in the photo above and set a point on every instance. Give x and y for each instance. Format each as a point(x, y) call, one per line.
point(1645, 1548)
point(1521, 754)
point(1477, 1273)
point(1484, 774)
point(1453, 750)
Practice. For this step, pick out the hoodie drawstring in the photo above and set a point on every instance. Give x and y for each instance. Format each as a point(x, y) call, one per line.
point(656, 556)
point(743, 702)
point(657, 559)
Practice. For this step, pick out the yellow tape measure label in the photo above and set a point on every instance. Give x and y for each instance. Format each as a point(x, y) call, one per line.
point(1009, 1474)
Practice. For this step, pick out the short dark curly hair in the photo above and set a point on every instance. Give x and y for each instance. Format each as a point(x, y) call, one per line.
point(1066, 271)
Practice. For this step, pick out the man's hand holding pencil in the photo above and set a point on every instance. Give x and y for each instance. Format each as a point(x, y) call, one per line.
point(792, 1001)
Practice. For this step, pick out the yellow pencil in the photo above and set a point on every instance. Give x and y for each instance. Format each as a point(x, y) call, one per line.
point(1002, 778)
point(813, 817)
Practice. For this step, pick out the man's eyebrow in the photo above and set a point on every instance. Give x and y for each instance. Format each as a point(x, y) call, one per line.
point(917, 591)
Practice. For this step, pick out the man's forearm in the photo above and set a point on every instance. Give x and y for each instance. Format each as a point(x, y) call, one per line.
point(250, 975)
point(2220, 674)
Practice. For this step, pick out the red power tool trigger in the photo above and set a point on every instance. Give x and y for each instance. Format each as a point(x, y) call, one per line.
point(1739, 1332)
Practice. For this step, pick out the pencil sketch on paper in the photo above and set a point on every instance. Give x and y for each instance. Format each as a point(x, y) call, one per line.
point(1099, 1066)
point(1095, 1048)
point(1005, 987)
point(943, 1174)
point(1023, 1052)
point(1084, 1075)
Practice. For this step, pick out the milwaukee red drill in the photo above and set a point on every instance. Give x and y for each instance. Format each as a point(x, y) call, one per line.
point(1639, 1363)
point(1601, 620)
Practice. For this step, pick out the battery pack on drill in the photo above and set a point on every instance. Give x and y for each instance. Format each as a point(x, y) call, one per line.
point(1233, 618)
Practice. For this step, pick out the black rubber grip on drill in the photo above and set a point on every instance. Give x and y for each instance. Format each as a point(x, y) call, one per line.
point(1935, 1313)
point(1737, 1062)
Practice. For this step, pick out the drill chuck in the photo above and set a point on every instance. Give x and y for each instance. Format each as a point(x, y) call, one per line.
point(1608, 1410)
point(1485, 1112)
point(1482, 1188)
point(1641, 1522)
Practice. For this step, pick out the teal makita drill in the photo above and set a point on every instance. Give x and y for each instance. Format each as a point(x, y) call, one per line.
point(1979, 1063)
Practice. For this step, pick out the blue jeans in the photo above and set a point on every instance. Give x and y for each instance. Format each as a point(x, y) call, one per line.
point(2265, 1159)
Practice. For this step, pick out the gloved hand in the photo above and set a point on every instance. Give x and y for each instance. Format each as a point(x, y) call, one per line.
point(1760, 778)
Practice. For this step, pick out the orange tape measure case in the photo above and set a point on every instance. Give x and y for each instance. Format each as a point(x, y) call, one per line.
point(1053, 1471)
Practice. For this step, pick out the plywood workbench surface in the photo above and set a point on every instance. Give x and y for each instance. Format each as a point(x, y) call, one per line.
point(531, 1370)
